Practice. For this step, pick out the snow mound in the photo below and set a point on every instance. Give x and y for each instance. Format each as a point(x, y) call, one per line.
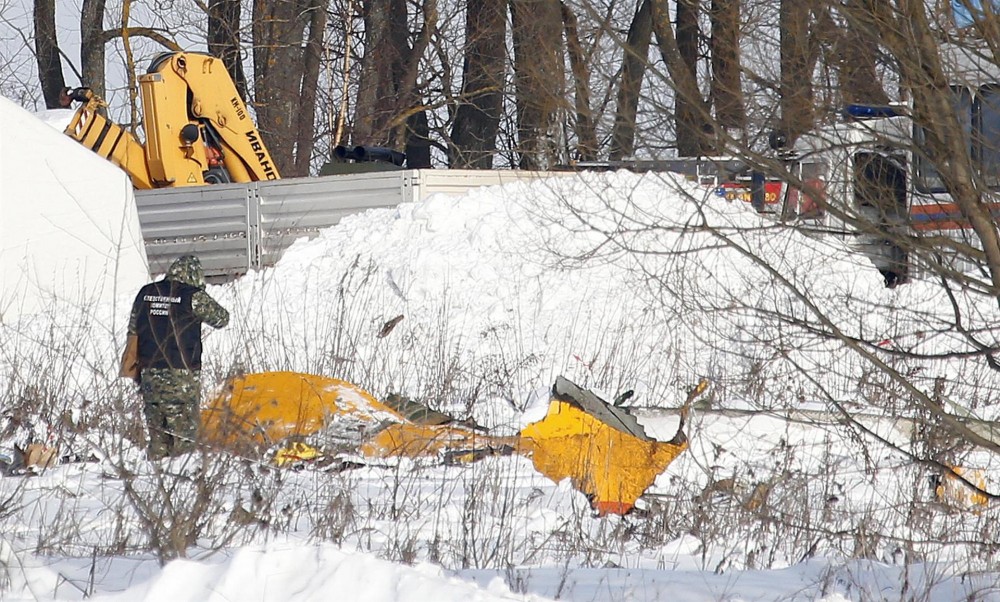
point(649, 281)
point(69, 228)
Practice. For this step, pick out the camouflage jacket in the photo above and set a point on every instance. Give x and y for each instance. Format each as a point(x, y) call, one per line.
point(187, 271)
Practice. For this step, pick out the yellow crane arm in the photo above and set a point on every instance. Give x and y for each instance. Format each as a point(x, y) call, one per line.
point(109, 140)
point(197, 128)
point(210, 97)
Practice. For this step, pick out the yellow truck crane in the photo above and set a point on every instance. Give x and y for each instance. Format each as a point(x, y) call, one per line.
point(198, 130)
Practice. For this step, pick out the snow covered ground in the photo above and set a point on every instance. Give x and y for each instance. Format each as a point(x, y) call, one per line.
point(616, 281)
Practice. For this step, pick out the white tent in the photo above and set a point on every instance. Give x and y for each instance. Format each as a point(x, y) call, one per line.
point(69, 229)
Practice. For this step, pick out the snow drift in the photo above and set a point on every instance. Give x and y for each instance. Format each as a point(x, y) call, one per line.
point(69, 229)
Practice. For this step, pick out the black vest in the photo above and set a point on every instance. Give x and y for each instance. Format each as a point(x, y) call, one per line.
point(169, 332)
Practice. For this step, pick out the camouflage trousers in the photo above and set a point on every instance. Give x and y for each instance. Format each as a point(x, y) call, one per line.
point(171, 403)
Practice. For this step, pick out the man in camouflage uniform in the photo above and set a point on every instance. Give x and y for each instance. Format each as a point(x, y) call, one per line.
point(167, 317)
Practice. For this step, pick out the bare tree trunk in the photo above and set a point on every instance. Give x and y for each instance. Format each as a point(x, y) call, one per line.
point(688, 122)
point(694, 124)
point(224, 39)
point(50, 72)
point(410, 124)
point(92, 40)
point(381, 70)
point(418, 143)
point(727, 92)
point(857, 50)
point(586, 134)
point(477, 119)
point(93, 37)
point(538, 77)
point(634, 64)
point(279, 68)
point(796, 69)
point(313, 51)
point(390, 110)
point(130, 71)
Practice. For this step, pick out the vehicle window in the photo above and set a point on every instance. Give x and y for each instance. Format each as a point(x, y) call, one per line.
point(988, 134)
point(928, 179)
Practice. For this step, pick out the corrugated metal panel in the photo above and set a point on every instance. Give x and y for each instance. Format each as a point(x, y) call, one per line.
point(459, 181)
point(234, 228)
point(209, 221)
point(291, 209)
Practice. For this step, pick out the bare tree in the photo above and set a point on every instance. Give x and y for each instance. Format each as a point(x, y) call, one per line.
point(94, 39)
point(381, 68)
point(539, 79)
point(727, 92)
point(635, 61)
point(47, 53)
point(224, 39)
point(585, 133)
point(285, 72)
point(477, 118)
point(389, 102)
point(689, 124)
point(858, 50)
point(92, 42)
point(797, 62)
point(680, 56)
point(305, 132)
point(413, 125)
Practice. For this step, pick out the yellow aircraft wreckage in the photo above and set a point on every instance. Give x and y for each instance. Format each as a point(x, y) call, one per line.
point(600, 447)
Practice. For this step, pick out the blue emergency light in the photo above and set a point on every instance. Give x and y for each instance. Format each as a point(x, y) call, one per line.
point(870, 111)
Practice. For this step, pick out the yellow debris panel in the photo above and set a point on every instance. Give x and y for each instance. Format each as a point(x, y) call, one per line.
point(600, 447)
point(414, 440)
point(268, 407)
point(953, 490)
point(611, 467)
point(295, 452)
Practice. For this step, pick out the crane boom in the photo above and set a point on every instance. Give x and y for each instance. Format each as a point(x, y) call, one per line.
point(198, 129)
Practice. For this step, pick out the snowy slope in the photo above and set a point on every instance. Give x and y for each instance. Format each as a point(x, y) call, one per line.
point(613, 280)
